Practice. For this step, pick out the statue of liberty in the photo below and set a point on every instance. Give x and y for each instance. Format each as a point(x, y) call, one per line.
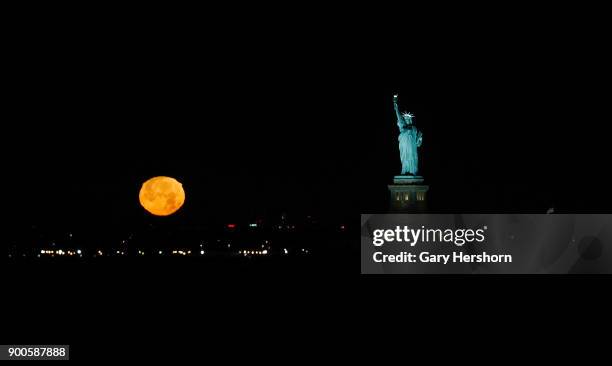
point(409, 140)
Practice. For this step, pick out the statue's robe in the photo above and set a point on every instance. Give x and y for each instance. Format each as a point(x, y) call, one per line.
point(409, 141)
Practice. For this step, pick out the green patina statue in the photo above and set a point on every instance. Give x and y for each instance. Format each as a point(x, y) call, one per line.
point(410, 138)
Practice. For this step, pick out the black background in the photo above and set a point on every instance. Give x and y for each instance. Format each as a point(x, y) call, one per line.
point(512, 107)
point(261, 121)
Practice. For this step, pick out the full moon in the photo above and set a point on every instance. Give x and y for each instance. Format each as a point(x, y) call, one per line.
point(162, 196)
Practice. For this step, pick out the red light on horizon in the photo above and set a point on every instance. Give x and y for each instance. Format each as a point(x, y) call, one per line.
point(231, 226)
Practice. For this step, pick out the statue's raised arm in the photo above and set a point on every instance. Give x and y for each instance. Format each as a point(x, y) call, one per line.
point(400, 119)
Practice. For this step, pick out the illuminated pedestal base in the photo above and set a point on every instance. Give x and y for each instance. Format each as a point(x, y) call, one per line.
point(407, 194)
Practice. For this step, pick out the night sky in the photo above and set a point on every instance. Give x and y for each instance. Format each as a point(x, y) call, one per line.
point(257, 124)
point(301, 132)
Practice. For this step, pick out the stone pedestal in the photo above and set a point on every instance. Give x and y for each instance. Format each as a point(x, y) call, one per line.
point(408, 194)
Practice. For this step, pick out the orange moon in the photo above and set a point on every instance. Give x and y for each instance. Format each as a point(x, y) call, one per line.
point(162, 196)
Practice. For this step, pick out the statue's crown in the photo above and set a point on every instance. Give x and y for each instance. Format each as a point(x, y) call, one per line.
point(408, 114)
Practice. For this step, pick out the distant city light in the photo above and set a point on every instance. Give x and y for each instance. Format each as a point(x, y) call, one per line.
point(247, 244)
